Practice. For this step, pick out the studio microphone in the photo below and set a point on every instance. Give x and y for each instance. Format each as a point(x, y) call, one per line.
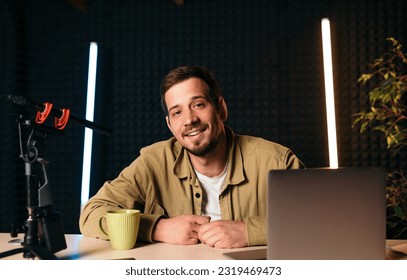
point(62, 115)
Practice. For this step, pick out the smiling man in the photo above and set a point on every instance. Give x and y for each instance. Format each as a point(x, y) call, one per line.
point(206, 184)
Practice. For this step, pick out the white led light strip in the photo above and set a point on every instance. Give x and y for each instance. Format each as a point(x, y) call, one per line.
point(90, 106)
point(329, 93)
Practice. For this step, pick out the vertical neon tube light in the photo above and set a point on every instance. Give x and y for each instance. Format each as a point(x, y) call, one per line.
point(329, 93)
point(90, 106)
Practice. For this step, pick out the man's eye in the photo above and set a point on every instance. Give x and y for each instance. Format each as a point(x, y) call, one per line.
point(199, 105)
point(176, 113)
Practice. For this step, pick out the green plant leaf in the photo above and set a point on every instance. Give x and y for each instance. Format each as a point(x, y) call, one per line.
point(387, 114)
point(364, 78)
point(398, 211)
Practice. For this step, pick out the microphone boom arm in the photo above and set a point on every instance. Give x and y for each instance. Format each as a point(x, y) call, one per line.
point(24, 102)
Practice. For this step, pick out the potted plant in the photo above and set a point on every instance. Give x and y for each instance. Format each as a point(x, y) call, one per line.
point(388, 115)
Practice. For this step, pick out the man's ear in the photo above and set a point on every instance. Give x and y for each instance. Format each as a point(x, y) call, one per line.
point(223, 109)
point(167, 119)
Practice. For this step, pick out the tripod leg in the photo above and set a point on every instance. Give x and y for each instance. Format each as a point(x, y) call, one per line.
point(11, 252)
point(41, 252)
point(30, 252)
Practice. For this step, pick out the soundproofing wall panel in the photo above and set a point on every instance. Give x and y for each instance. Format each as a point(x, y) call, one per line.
point(267, 56)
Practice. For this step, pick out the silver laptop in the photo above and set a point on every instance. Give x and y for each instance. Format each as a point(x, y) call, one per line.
point(325, 214)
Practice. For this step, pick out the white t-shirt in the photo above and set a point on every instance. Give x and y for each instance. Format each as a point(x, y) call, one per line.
point(212, 187)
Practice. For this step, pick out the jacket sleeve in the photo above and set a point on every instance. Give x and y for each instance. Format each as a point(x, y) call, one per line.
point(256, 231)
point(256, 226)
point(292, 161)
point(96, 208)
point(127, 191)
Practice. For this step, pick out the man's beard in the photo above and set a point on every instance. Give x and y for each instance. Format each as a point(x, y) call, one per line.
point(204, 150)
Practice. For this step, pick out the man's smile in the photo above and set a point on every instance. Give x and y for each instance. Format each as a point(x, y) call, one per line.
point(194, 132)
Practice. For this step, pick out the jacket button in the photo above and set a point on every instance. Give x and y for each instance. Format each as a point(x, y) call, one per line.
point(197, 195)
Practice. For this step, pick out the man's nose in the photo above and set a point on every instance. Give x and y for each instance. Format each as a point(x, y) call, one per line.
point(191, 117)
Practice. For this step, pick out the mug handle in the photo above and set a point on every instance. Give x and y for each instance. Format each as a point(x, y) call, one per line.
point(101, 226)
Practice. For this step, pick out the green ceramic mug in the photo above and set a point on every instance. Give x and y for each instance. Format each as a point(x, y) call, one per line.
point(122, 227)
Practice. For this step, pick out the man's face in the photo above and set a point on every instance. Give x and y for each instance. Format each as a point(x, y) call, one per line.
point(192, 118)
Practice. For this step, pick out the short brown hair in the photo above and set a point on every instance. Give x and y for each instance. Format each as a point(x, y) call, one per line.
point(183, 73)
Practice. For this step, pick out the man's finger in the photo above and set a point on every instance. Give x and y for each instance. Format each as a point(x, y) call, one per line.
point(202, 219)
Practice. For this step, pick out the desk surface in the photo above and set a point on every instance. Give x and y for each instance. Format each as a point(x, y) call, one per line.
point(85, 248)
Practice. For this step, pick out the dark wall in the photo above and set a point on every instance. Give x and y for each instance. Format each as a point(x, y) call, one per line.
point(266, 54)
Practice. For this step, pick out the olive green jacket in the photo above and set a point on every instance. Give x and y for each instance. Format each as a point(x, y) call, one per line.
point(161, 182)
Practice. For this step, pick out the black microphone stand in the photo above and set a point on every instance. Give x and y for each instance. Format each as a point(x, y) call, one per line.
point(43, 231)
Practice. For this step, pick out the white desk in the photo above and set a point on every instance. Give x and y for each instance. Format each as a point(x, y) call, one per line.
point(85, 248)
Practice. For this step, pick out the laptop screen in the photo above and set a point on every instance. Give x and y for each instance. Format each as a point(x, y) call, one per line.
point(327, 214)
